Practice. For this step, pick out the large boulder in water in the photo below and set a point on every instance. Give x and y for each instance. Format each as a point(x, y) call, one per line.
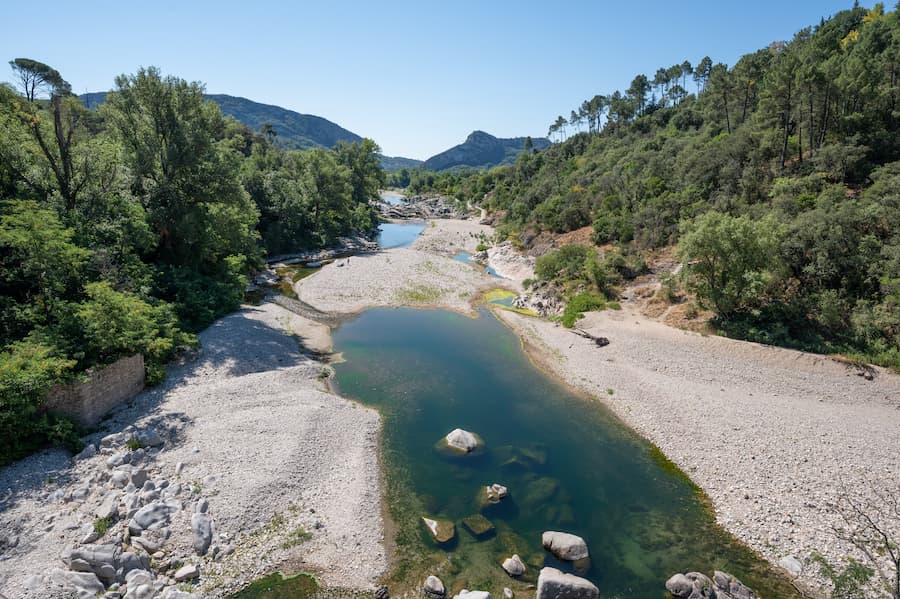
point(565, 546)
point(514, 565)
point(434, 588)
point(462, 441)
point(442, 531)
point(553, 584)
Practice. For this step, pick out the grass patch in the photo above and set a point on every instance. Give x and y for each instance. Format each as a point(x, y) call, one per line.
point(581, 303)
point(133, 444)
point(101, 525)
point(420, 294)
point(296, 537)
point(279, 586)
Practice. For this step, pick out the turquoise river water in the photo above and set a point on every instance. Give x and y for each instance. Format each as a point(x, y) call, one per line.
point(568, 463)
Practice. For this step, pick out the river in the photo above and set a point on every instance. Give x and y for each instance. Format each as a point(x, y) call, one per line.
point(568, 463)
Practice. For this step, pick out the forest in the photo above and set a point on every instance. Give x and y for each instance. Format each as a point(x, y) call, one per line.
point(129, 228)
point(775, 180)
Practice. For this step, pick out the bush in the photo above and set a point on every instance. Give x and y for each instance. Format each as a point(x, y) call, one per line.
point(729, 260)
point(565, 264)
point(583, 302)
point(27, 371)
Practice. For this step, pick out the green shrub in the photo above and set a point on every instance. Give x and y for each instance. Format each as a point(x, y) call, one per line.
point(583, 302)
point(27, 371)
point(481, 247)
point(101, 525)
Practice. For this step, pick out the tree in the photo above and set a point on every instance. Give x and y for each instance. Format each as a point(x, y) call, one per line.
point(686, 69)
point(36, 77)
point(873, 527)
point(701, 73)
point(57, 145)
point(720, 85)
point(729, 260)
point(638, 90)
point(187, 183)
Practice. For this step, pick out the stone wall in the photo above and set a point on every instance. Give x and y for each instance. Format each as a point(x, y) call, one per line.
point(88, 401)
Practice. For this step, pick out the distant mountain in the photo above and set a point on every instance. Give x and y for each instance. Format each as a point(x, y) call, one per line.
point(295, 131)
point(397, 163)
point(482, 150)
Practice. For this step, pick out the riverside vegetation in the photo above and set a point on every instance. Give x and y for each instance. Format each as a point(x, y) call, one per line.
point(776, 180)
point(129, 228)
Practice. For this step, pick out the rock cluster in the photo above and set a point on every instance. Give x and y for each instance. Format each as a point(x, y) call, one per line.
point(422, 207)
point(695, 585)
point(126, 552)
point(543, 298)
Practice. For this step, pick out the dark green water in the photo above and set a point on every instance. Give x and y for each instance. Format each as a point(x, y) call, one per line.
point(569, 465)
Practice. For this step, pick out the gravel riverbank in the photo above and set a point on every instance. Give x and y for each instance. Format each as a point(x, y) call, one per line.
point(257, 436)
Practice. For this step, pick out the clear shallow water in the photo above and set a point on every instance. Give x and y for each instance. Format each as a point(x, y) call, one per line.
point(392, 197)
point(569, 465)
point(466, 258)
point(398, 235)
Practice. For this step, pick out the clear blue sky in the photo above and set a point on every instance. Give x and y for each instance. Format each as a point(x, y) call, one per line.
point(417, 77)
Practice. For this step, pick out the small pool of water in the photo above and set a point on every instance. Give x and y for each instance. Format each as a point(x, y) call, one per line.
point(466, 258)
point(392, 197)
point(569, 464)
point(398, 235)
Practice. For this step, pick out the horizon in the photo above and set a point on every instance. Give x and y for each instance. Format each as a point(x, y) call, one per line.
point(446, 71)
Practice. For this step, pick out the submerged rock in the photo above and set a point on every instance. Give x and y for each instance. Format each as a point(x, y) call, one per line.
point(478, 525)
point(522, 459)
point(539, 492)
point(553, 584)
point(565, 546)
point(442, 531)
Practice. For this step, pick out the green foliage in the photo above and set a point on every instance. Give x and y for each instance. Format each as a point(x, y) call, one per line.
point(27, 371)
point(850, 581)
point(278, 586)
point(802, 133)
point(101, 525)
point(578, 305)
point(296, 537)
point(729, 260)
point(124, 227)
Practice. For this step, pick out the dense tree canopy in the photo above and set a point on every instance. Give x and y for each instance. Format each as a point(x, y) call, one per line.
point(125, 229)
point(801, 135)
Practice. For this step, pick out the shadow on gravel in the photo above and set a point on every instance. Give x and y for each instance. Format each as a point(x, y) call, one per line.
point(233, 346)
